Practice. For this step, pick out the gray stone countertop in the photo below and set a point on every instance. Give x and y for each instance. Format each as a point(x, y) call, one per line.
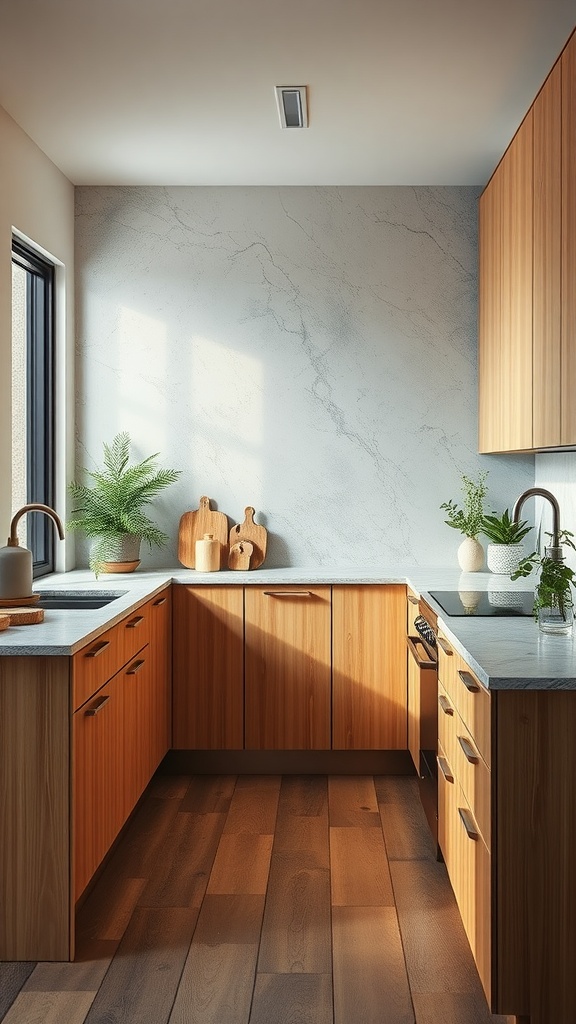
point(505, 653)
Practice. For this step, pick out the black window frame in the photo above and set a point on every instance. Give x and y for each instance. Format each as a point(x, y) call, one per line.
point(40, 400)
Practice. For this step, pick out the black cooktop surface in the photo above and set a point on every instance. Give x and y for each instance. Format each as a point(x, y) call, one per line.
point(482, 603)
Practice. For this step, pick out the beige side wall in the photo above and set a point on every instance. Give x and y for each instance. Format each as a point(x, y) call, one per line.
point(37, 200)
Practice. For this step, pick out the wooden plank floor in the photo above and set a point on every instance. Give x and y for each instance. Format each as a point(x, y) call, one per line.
point(264, 900)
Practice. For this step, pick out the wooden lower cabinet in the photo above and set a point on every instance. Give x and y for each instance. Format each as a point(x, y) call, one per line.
point(100, 797)
point(208, 668)
point(287, 662)
point(369, 668)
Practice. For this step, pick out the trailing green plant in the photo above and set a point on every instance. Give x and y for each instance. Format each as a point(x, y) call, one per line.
point(556, 578)
point(468, 520)
point(113, 505)
point(502, 530)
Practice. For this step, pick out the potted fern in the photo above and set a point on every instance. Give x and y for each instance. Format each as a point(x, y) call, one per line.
point(505, 547)
point(110, 511)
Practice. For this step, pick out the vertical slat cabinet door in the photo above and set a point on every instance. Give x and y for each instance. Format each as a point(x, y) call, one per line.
point(287, 668)
point(547, 267)
point(569, 243)
point(137, 694)
point(98, 783)
point(414, 711)
point(369, 687)
point(517, 246)
point(208, 668)
point(160, 726)
point(490, 314)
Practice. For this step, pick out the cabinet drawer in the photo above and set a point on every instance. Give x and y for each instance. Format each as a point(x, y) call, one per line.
point(412, 611)
point(468, 695)
point(94, 665)
point(472, 885)
point(104, 657)
point(473, 777)
point(447, 716)
point(468, 865)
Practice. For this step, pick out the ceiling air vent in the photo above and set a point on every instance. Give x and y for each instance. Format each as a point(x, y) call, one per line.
point(292, 106)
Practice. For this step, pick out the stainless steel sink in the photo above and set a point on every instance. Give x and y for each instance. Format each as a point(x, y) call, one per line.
point(77, 599)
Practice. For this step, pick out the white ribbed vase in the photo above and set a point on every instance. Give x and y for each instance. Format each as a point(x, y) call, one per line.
point(470, 555)
point(504, 558)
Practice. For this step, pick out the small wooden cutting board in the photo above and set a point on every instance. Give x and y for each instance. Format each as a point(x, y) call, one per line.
point(254, 534)
point(24, 616)
point(240, 555)
point(193, 526)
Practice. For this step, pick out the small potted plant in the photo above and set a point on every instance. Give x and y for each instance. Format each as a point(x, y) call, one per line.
point(468, 520)
point(110, 511)
point(553, 599)
point(505, 547)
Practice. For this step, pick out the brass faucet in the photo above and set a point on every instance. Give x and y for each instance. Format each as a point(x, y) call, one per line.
point(555, 550)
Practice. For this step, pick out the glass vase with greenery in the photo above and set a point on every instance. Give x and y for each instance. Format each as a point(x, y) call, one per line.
point(112, 507)
point(553, 598)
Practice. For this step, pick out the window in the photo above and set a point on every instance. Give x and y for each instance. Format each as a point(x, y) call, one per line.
point(33, 398)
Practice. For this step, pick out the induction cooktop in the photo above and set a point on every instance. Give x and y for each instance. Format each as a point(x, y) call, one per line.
point(485, 603)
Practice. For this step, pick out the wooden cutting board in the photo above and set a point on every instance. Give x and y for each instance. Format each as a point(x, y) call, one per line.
point(193, 526)
point(240, 555)
point(254, 534)
point(24, 616)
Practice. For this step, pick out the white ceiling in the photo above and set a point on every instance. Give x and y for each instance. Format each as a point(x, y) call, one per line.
point(181, 92)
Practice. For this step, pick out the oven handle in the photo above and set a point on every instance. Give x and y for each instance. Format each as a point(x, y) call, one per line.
point(414, 643)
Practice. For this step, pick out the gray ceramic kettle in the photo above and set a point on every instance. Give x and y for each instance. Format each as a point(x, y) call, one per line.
point(16, 561)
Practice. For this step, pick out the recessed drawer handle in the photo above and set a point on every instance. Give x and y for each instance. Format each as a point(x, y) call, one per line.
point(445, 768)
point(135, 667)
point(287, 593)
point(469, 752)
point(161, 600)
point(469, 681)
point(445, 705)
point(97, 706)
point(413, 600)
point(469, 824)
point(97, 649)
point(447, 650)
point(135, 622)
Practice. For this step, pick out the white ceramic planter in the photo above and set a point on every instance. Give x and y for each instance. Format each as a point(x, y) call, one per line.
point(121, 554)
point(504, 558)
point(471, 555)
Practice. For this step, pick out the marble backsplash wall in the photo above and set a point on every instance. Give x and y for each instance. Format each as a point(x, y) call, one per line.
point(308, 351)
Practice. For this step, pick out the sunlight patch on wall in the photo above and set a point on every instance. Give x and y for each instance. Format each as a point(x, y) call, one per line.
point(142, 365)
point(226, 388)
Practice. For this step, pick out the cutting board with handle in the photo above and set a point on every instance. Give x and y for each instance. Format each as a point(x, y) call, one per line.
point(193, 526)
point(256, 535)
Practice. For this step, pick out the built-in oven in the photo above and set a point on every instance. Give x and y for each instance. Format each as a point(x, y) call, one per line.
point(423, 704)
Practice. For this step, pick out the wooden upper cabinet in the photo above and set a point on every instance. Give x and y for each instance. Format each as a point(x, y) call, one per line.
point(208, 668)
point(287, 668)
point(547, 264)
point(568, 66)
point(369, 668)
point(506, 241)
point(527, 298)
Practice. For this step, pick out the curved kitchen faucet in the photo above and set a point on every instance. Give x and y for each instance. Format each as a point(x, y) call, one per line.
point(555, 549)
